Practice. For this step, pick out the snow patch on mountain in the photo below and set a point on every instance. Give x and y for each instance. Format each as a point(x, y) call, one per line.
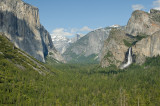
point(115, 26)
point(61, 43)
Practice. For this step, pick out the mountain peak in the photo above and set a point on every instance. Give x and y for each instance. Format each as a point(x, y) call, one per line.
point(56, 38)
point(143, 22)
point(153, 11)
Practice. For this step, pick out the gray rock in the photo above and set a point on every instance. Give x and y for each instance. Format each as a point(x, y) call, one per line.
point(147, 47)
point(149, 24)
point(89, 45)
point(140, 23)
point(76, 38)
point(143, 23)
point(114, 48)
point(20, 23)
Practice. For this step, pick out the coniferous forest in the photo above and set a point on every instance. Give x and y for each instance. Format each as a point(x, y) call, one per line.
point(21, 82)
point(84, 60)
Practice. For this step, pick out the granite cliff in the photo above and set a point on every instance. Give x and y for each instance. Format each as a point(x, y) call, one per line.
point(114, 48)
point(142, 33)
point(147, 47)
point(20, 23)
point(143, 23)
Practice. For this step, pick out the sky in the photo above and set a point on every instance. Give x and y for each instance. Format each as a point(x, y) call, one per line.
point(68, 17)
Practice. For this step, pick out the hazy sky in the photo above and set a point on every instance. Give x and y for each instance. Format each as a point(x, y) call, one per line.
point(67, 17)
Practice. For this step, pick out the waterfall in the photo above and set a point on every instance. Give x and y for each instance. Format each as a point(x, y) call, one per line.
point(129, 59)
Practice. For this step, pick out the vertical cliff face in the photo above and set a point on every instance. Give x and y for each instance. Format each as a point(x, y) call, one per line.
point(147, 47)
point(20, 23)
point(143, 23)
point(148, 24)
point(114, 48)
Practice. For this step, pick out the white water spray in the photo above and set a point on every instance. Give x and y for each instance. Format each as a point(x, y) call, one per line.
point(129, 59)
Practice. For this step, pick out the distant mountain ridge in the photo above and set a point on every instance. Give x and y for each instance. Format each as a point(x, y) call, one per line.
point(88, 48)
point(61, 43)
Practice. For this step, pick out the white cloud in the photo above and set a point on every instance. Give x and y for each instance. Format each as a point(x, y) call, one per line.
point(138, 7)
point(156, 4)
point(73, 30)
point(61, 32)
point(70, 32)
point(86, 28)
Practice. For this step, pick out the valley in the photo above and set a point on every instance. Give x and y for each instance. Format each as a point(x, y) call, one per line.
point(75, 84)
point(110, 66)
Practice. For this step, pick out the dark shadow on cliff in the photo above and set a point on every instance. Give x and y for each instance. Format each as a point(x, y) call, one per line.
point(22, 34)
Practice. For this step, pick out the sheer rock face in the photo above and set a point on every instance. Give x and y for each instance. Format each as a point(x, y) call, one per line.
point(143, 23)
point(20, 23)
point(114, 49)
point(147, 47)
point(149, 24)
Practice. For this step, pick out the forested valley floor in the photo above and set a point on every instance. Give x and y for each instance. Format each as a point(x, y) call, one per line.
point(75, 84)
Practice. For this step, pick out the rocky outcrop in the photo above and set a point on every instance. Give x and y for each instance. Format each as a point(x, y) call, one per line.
point(115, 47)
point(143, 23)
point(76, 38)
point(147, 47)
point(49, 47)
point(148, 24)
point(89, 45)
point(20, 23)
